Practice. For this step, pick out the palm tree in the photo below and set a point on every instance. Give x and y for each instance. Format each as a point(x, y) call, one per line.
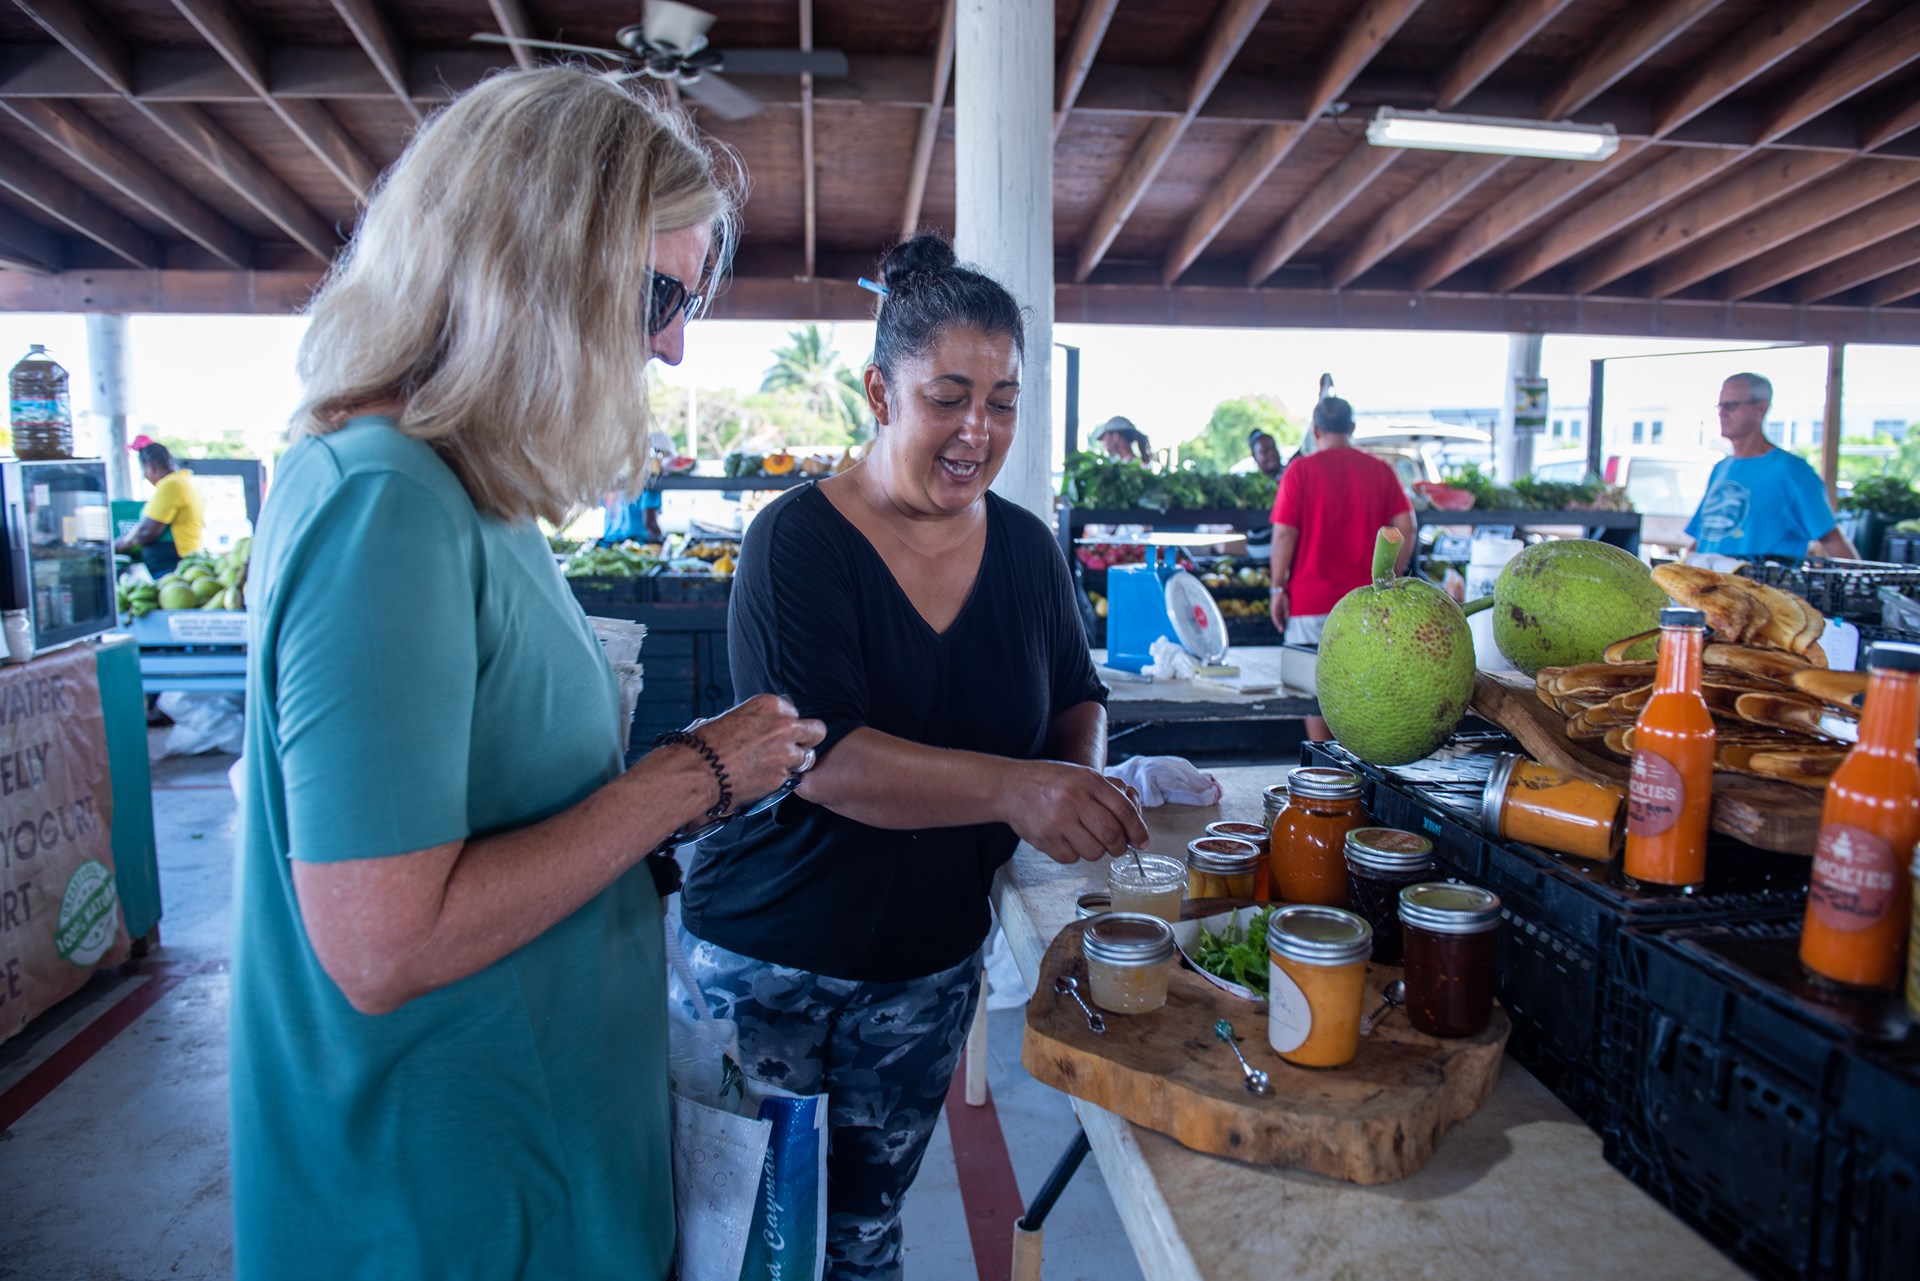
point(810, 367)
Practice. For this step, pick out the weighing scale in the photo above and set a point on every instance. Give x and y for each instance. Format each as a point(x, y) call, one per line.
point(1157, 599)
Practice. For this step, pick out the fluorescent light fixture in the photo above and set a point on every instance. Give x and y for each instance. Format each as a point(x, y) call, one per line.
point(1438, 131)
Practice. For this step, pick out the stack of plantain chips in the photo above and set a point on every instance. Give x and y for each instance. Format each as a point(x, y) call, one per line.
point(1778, 712)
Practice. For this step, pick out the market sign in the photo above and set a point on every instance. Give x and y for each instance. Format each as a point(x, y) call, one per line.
point(60, 913)
point(1529, 404)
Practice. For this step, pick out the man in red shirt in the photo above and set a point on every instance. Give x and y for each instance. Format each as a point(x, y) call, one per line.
point(1331, 505)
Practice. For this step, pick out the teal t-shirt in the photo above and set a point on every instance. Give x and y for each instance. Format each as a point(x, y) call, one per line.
point(1773, 504)
point(419, 673)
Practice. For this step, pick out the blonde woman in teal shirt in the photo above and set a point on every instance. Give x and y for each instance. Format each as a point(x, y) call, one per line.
point(448, 1003)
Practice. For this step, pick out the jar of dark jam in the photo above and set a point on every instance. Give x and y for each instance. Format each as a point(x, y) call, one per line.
point(1381, 861)
point(1449, 933)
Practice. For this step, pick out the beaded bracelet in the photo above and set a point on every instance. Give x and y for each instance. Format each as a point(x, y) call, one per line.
point(682, 738)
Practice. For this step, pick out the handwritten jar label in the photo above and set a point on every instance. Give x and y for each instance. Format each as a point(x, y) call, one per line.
point(1854, 874)
point(1655, 794)
point(1289, 1016)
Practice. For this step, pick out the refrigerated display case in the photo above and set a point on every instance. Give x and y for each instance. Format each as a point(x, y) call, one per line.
point(57, 565)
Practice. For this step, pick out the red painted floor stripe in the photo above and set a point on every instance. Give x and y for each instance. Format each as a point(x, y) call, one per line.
point(987, 1186)
point(71, 1057)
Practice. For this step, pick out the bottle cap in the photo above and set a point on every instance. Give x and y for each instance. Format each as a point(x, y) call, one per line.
point(1680, 616)
point(1893, 656)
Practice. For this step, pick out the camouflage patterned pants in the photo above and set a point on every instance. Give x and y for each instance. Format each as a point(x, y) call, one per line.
point(883, 1053)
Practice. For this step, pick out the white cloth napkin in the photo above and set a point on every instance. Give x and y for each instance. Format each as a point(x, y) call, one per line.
point(1164, 780)
point(1170, 661)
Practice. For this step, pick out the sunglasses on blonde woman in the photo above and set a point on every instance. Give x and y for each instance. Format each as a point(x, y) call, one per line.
point(668, 297)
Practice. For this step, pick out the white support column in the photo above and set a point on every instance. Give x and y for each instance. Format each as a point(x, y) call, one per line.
point(107, 357)
point(1513, 450)
point(1003, 220)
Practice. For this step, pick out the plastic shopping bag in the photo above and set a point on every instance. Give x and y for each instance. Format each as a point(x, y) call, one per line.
point(749, 1159)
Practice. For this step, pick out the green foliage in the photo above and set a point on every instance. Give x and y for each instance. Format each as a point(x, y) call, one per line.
point(812, 370)
point(1094, 480)
point(1528, 493)
point(1890, 496)
point(758, 422)
point(1224, 442)
point(1238, 955)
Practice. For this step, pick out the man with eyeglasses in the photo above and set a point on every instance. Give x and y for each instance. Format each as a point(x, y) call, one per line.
point(1762, 501)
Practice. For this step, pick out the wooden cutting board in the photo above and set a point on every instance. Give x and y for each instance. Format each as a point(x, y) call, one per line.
point(1769, 815)
point(1373, 1120)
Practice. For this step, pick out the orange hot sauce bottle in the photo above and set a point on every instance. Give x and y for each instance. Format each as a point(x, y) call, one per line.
point(1670, 784)
point(1857, 907)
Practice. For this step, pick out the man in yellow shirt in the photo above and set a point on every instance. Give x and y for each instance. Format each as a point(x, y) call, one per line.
point(175, 505)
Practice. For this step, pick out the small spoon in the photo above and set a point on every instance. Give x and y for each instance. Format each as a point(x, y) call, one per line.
point(1395, 993)
point(1257, 1082)
point(1138, 866)
point(1067, 985)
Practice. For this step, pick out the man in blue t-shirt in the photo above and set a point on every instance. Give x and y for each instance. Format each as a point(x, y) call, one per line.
point(1762, 501)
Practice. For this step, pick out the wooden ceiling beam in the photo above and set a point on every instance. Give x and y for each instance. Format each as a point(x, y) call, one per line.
point(511, 17)
point(65, 203)
point(246, 52)
point(372, 27)
point(72, 131)
point(1827, 244)
point(1459, 178)
point(1750, 51)
point(1089, 29)
point(1674, 228)
point(1621, 50)
point(25, 245)
point(1541, 195)
point(1879, 53)
point(929, 126)
point(94, 42)
point(1231, 27)
point(1900, 285)
point(1859, 184)
point(1503, 36)
point(1322, 204)
point(809, 174)
point(1362, 38)
point(1666, 181)
point(1894, 254)
point(1882, 123)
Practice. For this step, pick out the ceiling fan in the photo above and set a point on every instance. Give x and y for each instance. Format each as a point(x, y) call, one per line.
point(670, 44)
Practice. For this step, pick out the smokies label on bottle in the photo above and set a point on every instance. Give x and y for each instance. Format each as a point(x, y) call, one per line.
point(1655, 794)
point(1855, 873)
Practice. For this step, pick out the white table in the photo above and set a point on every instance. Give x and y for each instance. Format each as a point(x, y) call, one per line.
point(1518, 1190)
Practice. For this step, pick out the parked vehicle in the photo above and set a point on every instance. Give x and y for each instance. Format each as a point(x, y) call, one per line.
point(1664, 485)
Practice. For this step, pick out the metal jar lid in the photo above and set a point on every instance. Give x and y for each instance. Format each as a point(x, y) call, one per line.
point(1273, 800)
point(1320, 783)
point(1319, 935)
point(1093, 904)
point(1239, 830)
point(1441, 907)
point(1892, 656)
point(1223, 855)
point(1681, 616)
point(1389, 850)
point(1493, 801)
point(1128, 938)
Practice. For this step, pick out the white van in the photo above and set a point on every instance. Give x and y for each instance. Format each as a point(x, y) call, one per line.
point(1664, 485)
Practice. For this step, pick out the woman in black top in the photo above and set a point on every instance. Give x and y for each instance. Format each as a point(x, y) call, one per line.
point(931, 626)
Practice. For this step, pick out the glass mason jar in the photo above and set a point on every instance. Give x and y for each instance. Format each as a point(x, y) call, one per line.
point(1129, 955)
point(1381, 861)
point(1241, 830)
point(1156, 885)
point(1552, 809)
point(1308, 844)
point(1449, 933)
point(1317, 984)
point(1222, 867)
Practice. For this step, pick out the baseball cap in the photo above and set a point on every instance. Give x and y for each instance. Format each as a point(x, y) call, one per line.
point(140, 442)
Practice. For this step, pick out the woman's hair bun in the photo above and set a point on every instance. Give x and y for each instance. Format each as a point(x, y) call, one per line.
point(924, 254)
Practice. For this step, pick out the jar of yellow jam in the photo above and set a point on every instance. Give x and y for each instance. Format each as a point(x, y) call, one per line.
point(1222, 867)
point(1155, 884)
point(1552, 809)
point(1241, 830)
point(1317, 983)
point(1128, 959)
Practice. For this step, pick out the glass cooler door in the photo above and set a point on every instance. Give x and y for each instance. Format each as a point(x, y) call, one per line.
point(59, 534)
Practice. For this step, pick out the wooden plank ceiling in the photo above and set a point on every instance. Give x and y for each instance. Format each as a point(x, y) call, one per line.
point(1210, 162)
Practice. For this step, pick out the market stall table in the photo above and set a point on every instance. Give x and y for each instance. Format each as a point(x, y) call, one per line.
point(1190, 714)
point(1519, 1189)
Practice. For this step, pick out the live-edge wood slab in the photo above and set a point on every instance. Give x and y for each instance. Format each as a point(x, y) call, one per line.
point(1373, 1120)
point(1766, 814)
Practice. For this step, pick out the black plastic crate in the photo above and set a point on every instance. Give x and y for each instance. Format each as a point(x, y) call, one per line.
point(689, 589)
point(1903, 549)
point(1780, 1118)
point(1846, 589)
point(1562, 915)
point(609, 591)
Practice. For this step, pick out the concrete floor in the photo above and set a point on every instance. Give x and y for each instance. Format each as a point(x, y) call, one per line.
point(119, 1173)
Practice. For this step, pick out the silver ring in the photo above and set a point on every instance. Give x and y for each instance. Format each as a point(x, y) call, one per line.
point(806, 762)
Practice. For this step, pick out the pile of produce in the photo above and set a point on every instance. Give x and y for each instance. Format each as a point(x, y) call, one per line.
point(1887, 496)
point(623, 560)
point(781, 463)
point(1563, 601)
point(1103, 556)
point(1237, 954)
point(201, 581)
point(1094, 480)
point(1778, 712)
point(1529, 494)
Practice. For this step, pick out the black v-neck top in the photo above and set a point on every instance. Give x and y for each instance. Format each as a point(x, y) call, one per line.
point(817, 616)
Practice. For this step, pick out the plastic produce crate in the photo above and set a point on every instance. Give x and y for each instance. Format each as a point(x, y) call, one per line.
point(1562, 916)
point(1846, 589)
point(590, 592)
point(691, 589)
point(1780, 1119)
